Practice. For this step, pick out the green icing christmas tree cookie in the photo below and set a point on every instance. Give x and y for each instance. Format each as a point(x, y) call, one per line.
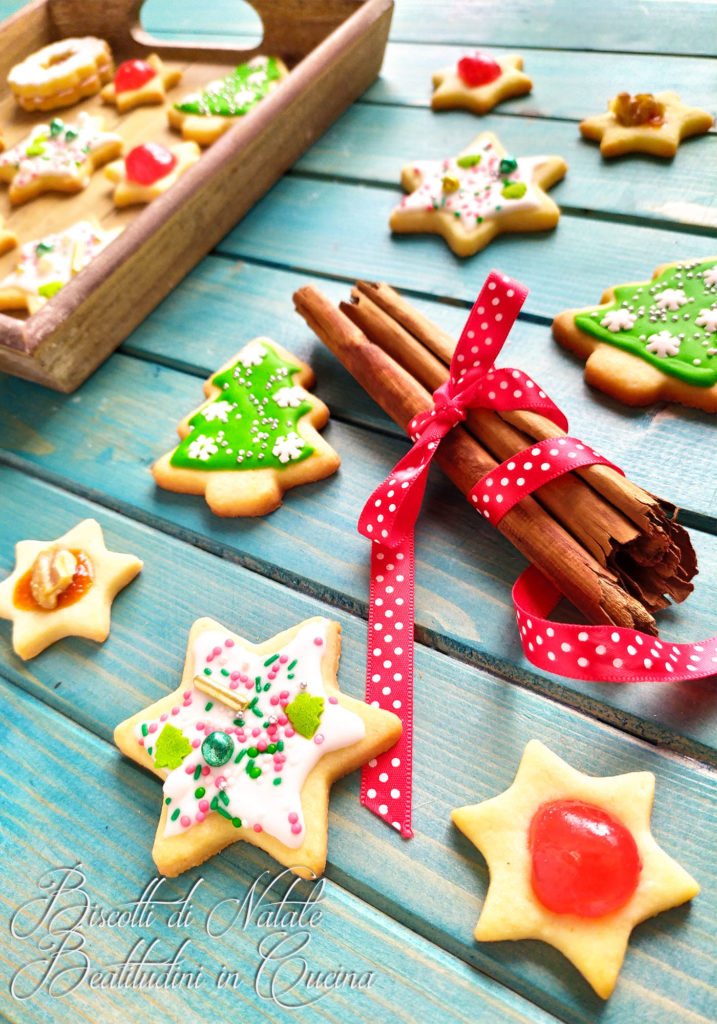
point(255, 437)
point(203, 116)
point(651, 340)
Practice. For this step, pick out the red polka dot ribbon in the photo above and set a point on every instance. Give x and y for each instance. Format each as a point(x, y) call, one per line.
point(604, 653)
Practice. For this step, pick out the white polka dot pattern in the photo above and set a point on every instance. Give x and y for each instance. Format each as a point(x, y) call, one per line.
point(609, 654)
point(521, 474)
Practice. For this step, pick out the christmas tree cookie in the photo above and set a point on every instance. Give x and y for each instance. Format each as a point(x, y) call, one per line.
point(250, 744)
point(572, 862)
point(202, 117)
point(654, 340)
point(472, 197)
point(254, 438)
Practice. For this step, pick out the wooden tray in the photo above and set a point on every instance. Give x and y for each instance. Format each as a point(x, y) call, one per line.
point(334, 49)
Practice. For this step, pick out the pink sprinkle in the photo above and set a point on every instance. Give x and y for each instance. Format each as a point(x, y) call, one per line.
point(185, 821)
point(228, 642)
point(318, 739)
point(318, 641)
point(190, 769)
point(244, 677)
point(220, 781)
point(204, 806)
point(284, 695)
point(233, 684)
point(293, 817)
point(187, 694)
point(283, 658)
point(210, 657)
point(282, 719)
point(289, 731)
point(196, 743)
point(256, 731)
point(274, 700)
point(248, 684)
point(257, 828)
point(235, 675)
point(278, 767)
point(175, 710)
point(205, 769)
point(200, 817)
point(141, 742)
point(261, 745)
point(216, 651)
point(283, 701)
point(333, 700)
point(153, 727)
point(163, 718)
point(296, 829)
point(271, 729)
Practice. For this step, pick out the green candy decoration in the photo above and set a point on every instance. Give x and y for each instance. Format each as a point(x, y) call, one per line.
point(71, 134)
point(172, 747)
point(305, 713)
point(508, 164)
point(56, 126)
point(36, 147)
point(249, 420)
point(469, 160)
point(236, 93)
point(217, 748)
point(49, 289)
point(514, 190)
point(42, 247)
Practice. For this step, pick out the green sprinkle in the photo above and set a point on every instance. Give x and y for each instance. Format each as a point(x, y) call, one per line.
point(56, 126)
point(255, 772)
point(42, 247)
point(225, 671)
point(253, 752)
point(71, 134)
point(175, 814)
point(197, 772)
point(145, 730)
point(207, 671)
point(223, 797)
point(214, 805)
point(271, 749)
point(271, 660)
point(239, 721)
point(35, 149)
point(236, 822)
point(277, 781)
point(149, 750)
point(280, 745)
point(208, 706)
point(267, 686)
point(168, 800)
point(291, 666)
point(239, 756)
point(258, 712)
point(258, 684)
point(224, 814)
point(507, 165)
point(290, 675)
point(469, 160)
point(199, 793)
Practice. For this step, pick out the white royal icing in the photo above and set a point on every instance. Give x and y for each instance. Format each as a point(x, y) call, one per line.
point(70, 251)
point(60, 157)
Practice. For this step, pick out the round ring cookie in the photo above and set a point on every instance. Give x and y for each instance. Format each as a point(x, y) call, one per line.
point(62, 73)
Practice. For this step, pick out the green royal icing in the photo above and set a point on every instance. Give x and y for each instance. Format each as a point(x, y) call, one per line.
point(247, 426)
point(172, 748)
point(656, 332)
point(305, 713)
point(234, 94)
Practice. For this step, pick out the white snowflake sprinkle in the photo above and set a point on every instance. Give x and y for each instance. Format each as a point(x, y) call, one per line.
point(663, 344)
point(285, 397)
point(202, 447)
point(618, 320)
point(218, 411)
point(708, 320)
point(252, 354)
point(671, 298)
point(710, 277)
point(288, 447)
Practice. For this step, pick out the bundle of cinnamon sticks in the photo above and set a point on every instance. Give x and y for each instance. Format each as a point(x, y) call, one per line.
point(614, 550)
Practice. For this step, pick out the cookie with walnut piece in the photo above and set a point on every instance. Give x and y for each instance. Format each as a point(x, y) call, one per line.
point(645, 124)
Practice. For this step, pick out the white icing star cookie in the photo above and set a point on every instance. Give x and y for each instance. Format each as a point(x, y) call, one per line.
point(57, 157)
point(471, 198)
point(250, 743)
point(572, 862)
point(47, 264)
point(645, 124)
point(149, 170)
point(140, 82)
point(63, 587)
point(478, 82)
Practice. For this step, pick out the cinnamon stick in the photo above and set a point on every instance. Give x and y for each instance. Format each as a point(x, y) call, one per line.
point(591, 587)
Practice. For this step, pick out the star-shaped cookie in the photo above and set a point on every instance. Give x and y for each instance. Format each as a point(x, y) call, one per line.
point(478, 82)
point(63, 587)
point(472, 197)
point(137, 83)
point(250, 743)
point(574, 839)
point(660, 135)
point(149, 170)
point(651, 340)
point(58, 157)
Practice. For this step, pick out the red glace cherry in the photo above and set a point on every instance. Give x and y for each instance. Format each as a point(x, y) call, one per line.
point(148, 163)
point(478, 69)
point(584, 861)
point(132, 74)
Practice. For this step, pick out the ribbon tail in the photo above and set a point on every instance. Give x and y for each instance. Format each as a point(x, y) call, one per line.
point(386, 781)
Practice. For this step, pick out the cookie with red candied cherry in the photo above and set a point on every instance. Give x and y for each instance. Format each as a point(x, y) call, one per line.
point(572, 862)
point(149, 170)
point(138, 83)
point(250, 743)
point(478, 82)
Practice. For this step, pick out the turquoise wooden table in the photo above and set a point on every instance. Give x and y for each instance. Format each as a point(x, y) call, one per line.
point(396, 916)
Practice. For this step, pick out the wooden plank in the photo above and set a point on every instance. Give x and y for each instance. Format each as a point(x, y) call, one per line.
point(465, 569)
point(437, 880)
point(566, 84)
point(96, 808)
point(371, 144)
point(218, 287)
